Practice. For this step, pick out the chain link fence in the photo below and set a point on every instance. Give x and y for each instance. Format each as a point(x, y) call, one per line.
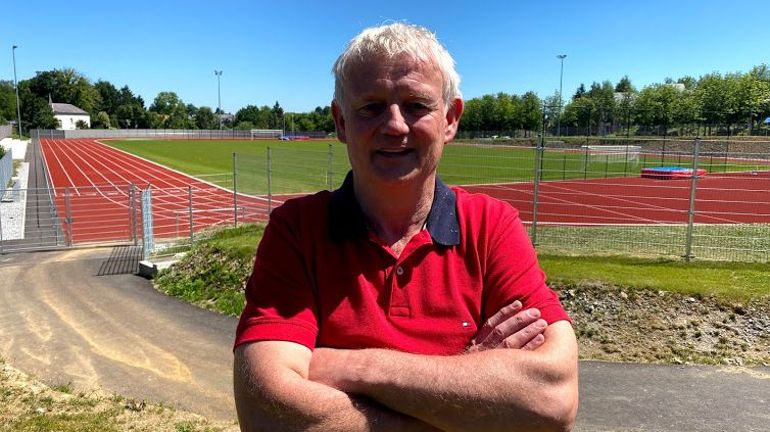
point(672, 198)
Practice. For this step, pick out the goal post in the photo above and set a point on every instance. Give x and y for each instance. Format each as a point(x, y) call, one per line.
point(611, 153)
point(266, 134)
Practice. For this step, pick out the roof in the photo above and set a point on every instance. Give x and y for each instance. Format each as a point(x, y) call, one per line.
point(64, 108)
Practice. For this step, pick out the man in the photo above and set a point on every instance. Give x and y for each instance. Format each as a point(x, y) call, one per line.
point(366, 304)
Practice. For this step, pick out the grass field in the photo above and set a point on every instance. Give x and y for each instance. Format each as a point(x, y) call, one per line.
point(306, 166)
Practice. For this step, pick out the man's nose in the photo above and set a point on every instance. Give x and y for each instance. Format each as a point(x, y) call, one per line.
point(395, 123)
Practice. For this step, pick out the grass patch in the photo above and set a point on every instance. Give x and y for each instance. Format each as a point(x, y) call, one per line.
point(746, 242)
point(28, 405)
point(725, 280)
point(213, 273)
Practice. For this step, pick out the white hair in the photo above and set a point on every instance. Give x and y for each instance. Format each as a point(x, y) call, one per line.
point(392, 40)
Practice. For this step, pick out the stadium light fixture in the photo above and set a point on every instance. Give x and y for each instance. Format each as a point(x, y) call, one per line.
point(219, 97)
point(16, 85)
point(561, 57)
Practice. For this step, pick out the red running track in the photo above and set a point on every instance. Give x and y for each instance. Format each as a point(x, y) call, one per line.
point(92, 184)
point(92, 181)
point(720, 199)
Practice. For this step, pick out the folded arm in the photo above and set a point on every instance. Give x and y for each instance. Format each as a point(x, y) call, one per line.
point(498, 389)
point(272, 393)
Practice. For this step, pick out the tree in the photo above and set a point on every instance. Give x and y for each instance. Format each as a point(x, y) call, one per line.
point(100, 121)
point(717, 98)
point(65, 86)
point(471, 119)
point(7, 101)
point(531, 112)
point(172, 110)
point(581, 90)
point(206, 119)
point(35, 111)
point(624, 85)
point(109, 97)
point(131, 115)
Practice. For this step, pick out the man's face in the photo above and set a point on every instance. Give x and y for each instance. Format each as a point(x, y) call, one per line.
point(394, 121)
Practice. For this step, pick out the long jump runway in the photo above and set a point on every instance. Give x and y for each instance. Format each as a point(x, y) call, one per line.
point(91, 183)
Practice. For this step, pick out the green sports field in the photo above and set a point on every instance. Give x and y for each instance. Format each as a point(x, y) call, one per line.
point(305, 166)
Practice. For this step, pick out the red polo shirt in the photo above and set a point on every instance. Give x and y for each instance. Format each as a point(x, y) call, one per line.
point(322, 279)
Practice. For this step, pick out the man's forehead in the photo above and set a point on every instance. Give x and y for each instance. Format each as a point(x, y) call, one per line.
point(363, 76)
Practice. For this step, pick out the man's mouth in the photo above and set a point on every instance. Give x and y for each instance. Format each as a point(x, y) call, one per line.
point(394, 153)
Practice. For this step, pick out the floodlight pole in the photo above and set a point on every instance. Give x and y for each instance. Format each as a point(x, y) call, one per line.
point(219, 97)
point(16, 85)
point(561, 76)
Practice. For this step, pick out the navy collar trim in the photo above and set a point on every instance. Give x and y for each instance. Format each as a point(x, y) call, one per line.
point(346, 219)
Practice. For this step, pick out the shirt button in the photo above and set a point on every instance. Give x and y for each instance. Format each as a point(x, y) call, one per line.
point(399, 270)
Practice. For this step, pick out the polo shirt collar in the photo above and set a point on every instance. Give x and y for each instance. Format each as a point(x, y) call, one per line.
point(346, 219)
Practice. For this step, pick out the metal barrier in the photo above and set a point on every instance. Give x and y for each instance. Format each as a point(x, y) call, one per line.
point(6, 171)
point(574, 198)
point(6, 130)
point(577, 198)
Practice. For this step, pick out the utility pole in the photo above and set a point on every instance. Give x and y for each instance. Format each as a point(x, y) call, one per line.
point(561, 76)
point(219, 97)
point(16, 84)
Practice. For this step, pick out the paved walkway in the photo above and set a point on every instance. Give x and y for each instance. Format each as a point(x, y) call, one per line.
point(62, 323)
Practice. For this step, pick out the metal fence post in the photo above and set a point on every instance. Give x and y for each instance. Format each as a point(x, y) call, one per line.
point(1, 229)
point(148, 239)
point(68, 215)
point(329, 169)
point(269, 180)
point(190, 210)
point(691, 213)
point(536, 188)
point(235, 189)
point(132, 211)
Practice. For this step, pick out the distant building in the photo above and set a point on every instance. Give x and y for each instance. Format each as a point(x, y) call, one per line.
point(69, 115)
point(679, 86)
point(621, 97)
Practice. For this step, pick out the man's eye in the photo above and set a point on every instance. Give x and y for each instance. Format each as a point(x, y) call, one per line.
point(371, 108)
point(417, 107)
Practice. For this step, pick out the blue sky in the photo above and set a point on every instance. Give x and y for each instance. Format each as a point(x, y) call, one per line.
point(283, 51)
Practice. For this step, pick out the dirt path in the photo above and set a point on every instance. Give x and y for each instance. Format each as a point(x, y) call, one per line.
point(63, 324)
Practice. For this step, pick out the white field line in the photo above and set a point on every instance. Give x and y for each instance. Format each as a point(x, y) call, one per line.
point(176, 171)
point(93, 185)
point(47, 168)
point(64, 170)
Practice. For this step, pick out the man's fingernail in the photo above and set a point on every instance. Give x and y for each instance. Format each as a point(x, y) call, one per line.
point(534, 313)
point(517, 304)
point(541, 323)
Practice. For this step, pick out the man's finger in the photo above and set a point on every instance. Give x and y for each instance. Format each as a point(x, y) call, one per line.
point(523, 337)
point(511, 326)
point(501, 315)
point(534, 343)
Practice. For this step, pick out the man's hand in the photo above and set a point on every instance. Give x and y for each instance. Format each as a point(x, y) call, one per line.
point(511, 327)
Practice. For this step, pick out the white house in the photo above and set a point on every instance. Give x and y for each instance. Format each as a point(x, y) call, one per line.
point(69, 115)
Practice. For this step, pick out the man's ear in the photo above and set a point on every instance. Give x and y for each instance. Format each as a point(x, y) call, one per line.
point(339, 122)
point(453, 115)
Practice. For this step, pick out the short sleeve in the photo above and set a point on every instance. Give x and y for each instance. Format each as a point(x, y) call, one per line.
point(513, 273)
point(280, 299)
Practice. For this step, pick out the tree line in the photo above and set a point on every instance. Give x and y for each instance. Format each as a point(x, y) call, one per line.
point(113, 107)
point(713, 103)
